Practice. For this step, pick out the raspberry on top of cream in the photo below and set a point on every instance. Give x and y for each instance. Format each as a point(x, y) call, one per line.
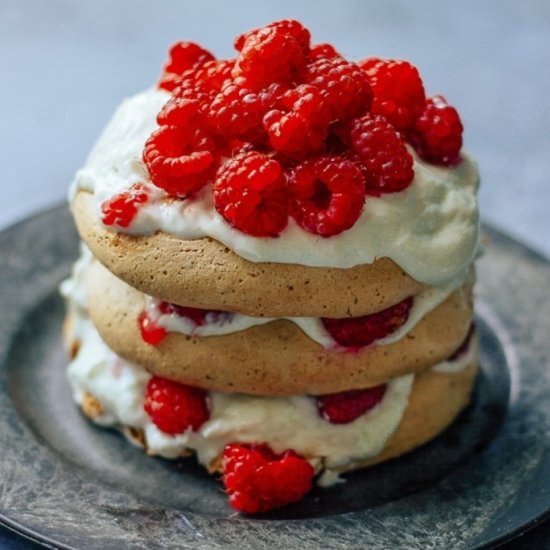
point(300, 158)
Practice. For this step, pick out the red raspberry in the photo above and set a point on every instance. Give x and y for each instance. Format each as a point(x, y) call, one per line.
point(191, 92)
point(387, 164)
point(250, 193)
point(214, 75)
point(322, 51)
point(179, 112)
point(463, 348)
point(357, 332)
point(288, 26)
point(179, 159)
point(328, 193)
point(182, 57)
point(270, 54)
point(272, 96)
point(344, 86)
point(151, 333)
point(174, 408)
point(345, 407)
point(304, 127)
point(437, 133)
point(199, 316)
point(258, 480)
point(123, 208)
point(397, 88)
point(235, 111)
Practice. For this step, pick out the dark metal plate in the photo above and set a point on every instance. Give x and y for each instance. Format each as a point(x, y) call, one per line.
point(65, 482)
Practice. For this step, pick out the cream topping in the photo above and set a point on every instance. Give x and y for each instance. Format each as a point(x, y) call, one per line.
point(430, 229)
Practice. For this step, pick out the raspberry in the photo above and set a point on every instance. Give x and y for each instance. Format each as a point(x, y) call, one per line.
point(123, 208)
point(179, 159)
point(250, 193)
point(199, 316)
point(345, 407)
point(182, 57)
point(357, 332)
point(344, 86)
point(388, 166)
point(397, 88)
point(463, 348)
point(235, 111)
point(323, 51)
point(258, 480)
point(270, 54)
point(328, 193)
point(214, 75)
point(304, 127)
point(179, 112)
point(288, 26)
point(437, 133)
point(151, 333)
point(174, 408)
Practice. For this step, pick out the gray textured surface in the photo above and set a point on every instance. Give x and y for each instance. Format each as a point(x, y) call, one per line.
point(50, 489)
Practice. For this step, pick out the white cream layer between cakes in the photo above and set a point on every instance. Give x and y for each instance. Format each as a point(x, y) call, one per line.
point(430, 229)
point(280, 422)
point(313, 327)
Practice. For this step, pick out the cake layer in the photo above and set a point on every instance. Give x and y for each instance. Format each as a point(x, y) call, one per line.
point(413, 409)
point(276, 358)
point(206, 274)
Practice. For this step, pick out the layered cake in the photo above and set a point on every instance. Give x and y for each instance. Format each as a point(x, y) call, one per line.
point(277, 265)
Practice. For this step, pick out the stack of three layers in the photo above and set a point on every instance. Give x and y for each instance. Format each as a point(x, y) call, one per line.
point(346, 367)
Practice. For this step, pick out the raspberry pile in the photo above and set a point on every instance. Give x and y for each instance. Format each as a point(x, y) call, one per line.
point(290, 129)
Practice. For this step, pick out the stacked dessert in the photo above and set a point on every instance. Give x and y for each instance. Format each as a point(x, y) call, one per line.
point(277, 265)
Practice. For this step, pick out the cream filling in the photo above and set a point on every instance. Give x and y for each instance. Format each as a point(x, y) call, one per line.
point(281, 422)
point(460, 363)
point(430, 229)
point(218, 325)
point(313, 327)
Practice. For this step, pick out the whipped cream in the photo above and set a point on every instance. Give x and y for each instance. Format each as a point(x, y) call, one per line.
point(424, 302)
point(430, 229)
point(460, 363)
point(282, 423)
point(219, 324)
